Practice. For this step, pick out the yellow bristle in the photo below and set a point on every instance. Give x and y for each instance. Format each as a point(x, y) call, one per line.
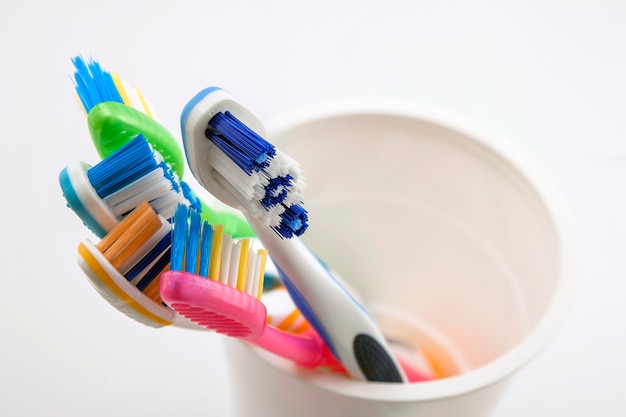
point(120, 89)
point(144, 103)
point(216, 252)
point(263, 254)
point(243, 265)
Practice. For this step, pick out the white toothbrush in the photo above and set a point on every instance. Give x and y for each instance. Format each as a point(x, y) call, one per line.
point(346, 327)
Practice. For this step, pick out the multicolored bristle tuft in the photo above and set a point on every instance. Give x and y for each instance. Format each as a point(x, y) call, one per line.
point(269, 182)
point(104, 194)
point(125, 266)
point(95, 85)
point(205, 250)
point(135, 173)
point(139, 248)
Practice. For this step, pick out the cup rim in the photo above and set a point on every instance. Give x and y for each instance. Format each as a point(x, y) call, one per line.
point(538, 337)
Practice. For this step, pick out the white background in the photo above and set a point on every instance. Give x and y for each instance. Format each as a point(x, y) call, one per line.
point(549, 76)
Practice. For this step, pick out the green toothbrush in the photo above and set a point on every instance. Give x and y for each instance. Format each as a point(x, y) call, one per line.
point(115, 115)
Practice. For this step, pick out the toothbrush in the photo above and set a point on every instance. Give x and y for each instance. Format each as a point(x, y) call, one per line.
point(117, 114)
point(124, 267)
point(103, 194)
point(116, 124)
point(216, 282)
point(349, 332)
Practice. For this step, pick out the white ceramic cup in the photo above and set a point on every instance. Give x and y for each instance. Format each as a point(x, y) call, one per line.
point(456, 246)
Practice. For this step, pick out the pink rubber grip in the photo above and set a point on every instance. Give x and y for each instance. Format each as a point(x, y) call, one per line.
point(228, 311)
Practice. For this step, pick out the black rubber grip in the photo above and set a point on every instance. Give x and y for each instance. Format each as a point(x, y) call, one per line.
point(374, 361)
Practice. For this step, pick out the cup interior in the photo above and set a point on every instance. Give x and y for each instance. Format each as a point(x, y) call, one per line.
point(455, 248)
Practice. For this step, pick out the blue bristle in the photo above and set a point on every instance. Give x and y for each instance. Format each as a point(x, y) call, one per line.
point(194, 201)
point(193, 239)
point(153, 254)
point(205, 249)
point(294, 222)
point(169, 175)
point(124, 166)
point(276, 191)
point(240, 143)
point(155, 271)
point(93, 84)
point(179, 237)
point(191, 242)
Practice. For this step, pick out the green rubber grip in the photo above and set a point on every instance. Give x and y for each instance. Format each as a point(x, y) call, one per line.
point(112, 124)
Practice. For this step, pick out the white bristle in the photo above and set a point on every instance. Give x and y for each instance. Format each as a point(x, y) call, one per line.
point(227, 247)
point(250, 189)
point(234, 264)
point(154, 188)
point(282, 164)
point(252, 281)
point(166, 204)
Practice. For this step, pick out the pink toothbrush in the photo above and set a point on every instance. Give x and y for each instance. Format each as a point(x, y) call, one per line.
point(215, 282)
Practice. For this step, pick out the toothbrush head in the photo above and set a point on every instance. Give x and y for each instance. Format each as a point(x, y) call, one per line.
point(116, 113)
point(103, 194)
point(214, 281)
point(213, 305)
point(125, 266)
point(94, 85)
point(228, 155)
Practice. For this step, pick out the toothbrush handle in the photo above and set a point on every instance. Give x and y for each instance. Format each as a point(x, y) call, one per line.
point(306, 350)
point(350, 333)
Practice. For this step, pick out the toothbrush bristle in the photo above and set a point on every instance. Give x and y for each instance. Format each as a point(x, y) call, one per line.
point(202, 249)
point(151, 265)
point(267, 181)
point(93, 84)
point(136, 173)
point(294, 221)
point(189, 195)
point(205, 283)
point(122, 167)
point(276, 190)
point(242, 145)
point(179, 237)
point(139, 248)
